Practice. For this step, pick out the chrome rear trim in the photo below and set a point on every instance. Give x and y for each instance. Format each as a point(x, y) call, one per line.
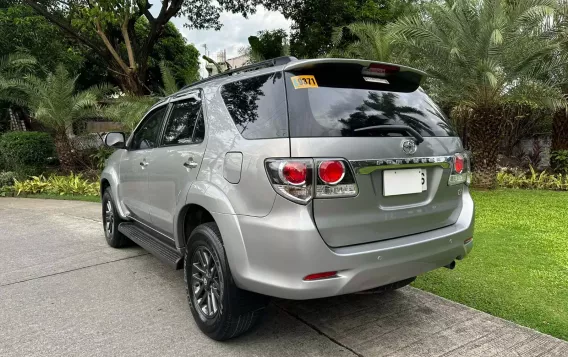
point(366, 167)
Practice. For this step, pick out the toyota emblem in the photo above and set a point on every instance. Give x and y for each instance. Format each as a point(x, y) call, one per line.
point(409, 147)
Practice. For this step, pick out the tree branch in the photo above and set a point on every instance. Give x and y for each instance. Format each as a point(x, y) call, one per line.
point(110, 48)
point(65, 27)
point(126, 36)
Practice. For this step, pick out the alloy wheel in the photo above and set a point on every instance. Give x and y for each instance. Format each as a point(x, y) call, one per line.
point(109, 219)
point(206, 283)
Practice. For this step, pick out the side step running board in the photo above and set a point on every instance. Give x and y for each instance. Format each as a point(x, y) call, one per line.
point(165, 252)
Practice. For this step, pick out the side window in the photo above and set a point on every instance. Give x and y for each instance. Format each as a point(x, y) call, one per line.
point(181, 123)
point(258, 106)
point(146, 136)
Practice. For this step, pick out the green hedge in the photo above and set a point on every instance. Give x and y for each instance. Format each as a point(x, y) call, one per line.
point(26, 152)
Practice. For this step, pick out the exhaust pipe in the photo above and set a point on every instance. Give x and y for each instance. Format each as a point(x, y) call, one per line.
point(451, 266)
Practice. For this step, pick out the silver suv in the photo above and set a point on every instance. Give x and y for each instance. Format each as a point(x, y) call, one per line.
point(298, 179)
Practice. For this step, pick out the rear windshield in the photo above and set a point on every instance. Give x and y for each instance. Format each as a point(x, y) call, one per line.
point(258, 106)
point(339, 100)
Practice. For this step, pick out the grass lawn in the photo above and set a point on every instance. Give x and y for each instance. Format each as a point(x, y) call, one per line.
point(64, 197)
point(518, 269)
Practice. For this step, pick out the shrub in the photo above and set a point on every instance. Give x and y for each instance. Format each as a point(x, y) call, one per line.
point(26, 152)
point(7, 178)
point(559, 161)
point(533, 180)
point(58, 185)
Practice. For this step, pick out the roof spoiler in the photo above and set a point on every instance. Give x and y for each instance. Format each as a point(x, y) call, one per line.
point(370, 68)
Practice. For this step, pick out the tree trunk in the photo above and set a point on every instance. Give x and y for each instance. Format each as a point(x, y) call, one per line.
point(64, 151)
point(485, 126)
point(560, 130)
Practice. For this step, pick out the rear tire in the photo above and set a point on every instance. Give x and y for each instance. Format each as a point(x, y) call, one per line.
point(111, 220)
point(221, 310)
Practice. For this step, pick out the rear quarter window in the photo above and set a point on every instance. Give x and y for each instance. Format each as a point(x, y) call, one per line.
point(258, 106)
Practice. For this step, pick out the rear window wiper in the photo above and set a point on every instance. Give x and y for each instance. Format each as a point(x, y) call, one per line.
point(401, 129)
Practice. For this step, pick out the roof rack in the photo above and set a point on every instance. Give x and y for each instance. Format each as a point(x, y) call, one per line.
point(278, 61)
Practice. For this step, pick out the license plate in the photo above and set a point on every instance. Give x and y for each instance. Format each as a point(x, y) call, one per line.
point(404, 182)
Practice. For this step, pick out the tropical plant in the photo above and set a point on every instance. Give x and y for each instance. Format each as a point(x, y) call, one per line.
point(128, 110)
point(73, 184)
point(371, 41)
point(482, 53)
point(56, 104)
point(532, 180)
point(168, 79)
point(559, 161)
point(13, 67)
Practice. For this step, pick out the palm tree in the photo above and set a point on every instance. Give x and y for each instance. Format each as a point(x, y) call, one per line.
point(12, 67)
point(372, 42)
point(482, 54)
point(55, 103)
point(128, 110)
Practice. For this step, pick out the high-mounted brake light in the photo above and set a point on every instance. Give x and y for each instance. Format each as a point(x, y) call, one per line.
point(380, 69)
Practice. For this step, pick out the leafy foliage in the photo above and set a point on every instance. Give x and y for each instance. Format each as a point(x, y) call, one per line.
point(73, 184)
point(364, 40)
point(107, 27)
point(268, 44)
point(482, 52)
point(313, 21)
point(559, 161)
point(7, 178)
point(26, 152)
point(56, 104)
point(13, 67)
point(533, 180)
point(100, 157)
point(128, 110)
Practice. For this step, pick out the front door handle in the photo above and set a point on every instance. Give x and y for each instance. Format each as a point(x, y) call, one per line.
point(144, 163)
point(190, 164)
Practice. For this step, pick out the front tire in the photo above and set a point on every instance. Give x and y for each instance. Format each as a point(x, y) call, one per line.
point(111, 220)
point(221, 310)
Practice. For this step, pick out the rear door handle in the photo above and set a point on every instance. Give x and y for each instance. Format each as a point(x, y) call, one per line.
point(190, 164)
point(144, 163)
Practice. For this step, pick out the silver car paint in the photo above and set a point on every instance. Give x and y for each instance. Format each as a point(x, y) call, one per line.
point(371, 216)
point(272, 243)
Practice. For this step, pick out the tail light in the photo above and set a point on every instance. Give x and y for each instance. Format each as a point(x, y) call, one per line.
point(461, 169)
point(294, 178)
point(335, 179)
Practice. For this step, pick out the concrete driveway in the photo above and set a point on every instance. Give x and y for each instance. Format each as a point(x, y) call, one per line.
point(64, 292)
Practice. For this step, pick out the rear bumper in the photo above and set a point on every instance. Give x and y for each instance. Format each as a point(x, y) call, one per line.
point(279, 250)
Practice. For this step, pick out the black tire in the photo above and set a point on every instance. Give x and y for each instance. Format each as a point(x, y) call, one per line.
point(388, 287)
point(231, 311)
point(111, 220)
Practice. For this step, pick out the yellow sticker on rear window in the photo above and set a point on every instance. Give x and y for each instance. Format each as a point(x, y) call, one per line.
point(308, 81)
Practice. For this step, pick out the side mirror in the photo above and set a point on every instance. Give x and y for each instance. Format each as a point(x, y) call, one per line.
point(115, 140)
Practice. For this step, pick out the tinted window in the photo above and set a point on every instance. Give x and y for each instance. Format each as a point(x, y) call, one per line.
point(181, 123)
point(258, 106)
point(343, 102)
point(146, 135)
